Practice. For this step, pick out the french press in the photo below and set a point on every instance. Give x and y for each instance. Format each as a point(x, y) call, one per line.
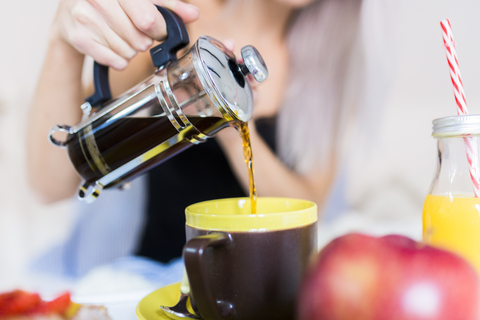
point(184, 103)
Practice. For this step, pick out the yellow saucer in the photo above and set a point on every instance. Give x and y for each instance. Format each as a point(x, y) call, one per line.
point(149, 307)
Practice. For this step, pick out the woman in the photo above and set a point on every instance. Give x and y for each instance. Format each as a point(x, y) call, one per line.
point(313, 95)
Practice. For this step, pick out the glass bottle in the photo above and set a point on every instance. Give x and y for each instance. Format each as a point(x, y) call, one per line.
point(451, 212)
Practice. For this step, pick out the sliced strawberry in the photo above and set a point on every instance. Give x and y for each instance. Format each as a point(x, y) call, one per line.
point(18, 302)
point(7, 296)
point(57, 306)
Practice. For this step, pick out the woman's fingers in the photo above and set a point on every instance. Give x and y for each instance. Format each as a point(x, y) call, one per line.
point(90, 30)
point(187, 12)
point(148, 20)
point(116, 43)
point(122, 27)
point(145, 17)
point(104, 55)
point(229, 44)
point(119, 21)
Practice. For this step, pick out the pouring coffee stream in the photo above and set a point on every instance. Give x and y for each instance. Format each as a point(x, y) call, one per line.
point(248, 154)
point(184, 103)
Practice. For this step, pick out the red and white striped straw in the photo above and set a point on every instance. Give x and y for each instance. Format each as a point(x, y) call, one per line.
point(453, 66)
point(470, 143)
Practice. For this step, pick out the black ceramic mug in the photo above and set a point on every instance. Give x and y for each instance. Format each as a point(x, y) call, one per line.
point(244, 266)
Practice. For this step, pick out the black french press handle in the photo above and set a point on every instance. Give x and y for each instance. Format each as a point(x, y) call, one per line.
point(177, 38)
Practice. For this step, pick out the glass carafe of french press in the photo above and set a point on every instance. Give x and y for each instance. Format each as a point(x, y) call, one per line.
point(184, 103)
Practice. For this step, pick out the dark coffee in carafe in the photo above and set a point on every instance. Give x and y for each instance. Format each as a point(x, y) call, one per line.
point(95, 154)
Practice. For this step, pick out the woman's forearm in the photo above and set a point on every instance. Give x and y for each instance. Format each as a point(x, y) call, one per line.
point(57, 100)
point(272, 177)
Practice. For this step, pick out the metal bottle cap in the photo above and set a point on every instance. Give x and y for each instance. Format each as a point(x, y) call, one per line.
point(456, 126)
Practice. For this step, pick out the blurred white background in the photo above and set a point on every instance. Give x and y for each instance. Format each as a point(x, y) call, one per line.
point(389, 186)
point(26, 227)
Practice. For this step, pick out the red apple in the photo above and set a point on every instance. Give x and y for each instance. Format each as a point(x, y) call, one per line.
point(360, 277)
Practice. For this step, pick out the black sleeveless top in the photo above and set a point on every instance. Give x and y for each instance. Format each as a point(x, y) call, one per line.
point(197, 174)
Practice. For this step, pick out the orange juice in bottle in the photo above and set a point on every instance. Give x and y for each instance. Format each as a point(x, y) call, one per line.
point(453, 223)
point(451, 211)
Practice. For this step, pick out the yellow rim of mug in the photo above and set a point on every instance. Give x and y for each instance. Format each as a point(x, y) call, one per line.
point(233, 214)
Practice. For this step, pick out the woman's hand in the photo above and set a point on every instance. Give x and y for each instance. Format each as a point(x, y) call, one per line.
point(114, 31)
